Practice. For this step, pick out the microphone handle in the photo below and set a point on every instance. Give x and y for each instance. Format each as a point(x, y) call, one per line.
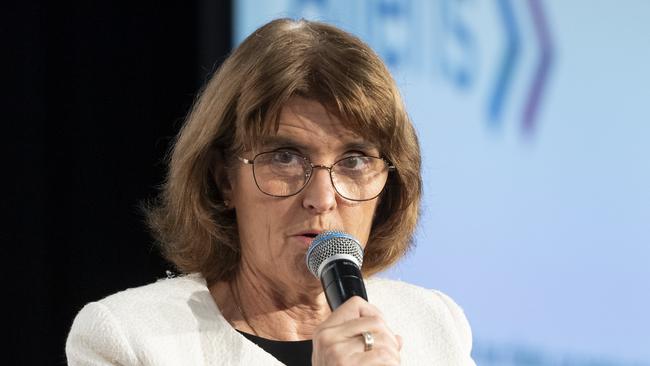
point(341, 279)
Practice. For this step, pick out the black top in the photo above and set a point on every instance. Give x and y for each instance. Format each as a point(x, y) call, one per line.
point(291, 353)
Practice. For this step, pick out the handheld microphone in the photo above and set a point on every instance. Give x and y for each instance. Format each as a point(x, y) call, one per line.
point(335, 258)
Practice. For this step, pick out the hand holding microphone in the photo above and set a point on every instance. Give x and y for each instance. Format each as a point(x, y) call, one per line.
point(356, 332)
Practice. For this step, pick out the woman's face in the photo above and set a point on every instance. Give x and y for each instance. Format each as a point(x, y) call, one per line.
point(276, 232)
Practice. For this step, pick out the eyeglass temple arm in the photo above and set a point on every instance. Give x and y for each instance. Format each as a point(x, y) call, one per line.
point(390, 166)
point(244, 160)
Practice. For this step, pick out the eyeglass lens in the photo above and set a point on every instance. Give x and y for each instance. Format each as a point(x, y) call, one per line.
point(282, 173)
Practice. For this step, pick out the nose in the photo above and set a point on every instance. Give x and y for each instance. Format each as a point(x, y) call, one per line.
point(319, 196)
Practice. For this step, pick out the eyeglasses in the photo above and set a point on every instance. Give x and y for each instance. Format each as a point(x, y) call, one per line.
point(283, 173)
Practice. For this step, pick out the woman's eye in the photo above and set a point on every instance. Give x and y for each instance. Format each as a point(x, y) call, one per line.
point(355, 162)
point(284, 157)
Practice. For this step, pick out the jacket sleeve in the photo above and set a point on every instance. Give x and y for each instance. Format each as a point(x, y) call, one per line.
point(96, 338)
point(463, 330)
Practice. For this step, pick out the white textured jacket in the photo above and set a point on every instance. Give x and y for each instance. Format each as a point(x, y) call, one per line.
point(176, 322)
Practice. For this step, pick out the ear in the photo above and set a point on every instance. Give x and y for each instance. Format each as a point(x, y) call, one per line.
point(222, 177)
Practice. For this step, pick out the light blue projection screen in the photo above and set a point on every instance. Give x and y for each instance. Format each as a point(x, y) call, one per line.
point(534, 122)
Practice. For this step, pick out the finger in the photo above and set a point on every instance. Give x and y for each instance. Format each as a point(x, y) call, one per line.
point(373, 324)
point(380, 340)
point(353, 329)
point(376, 356)
point(353, 308)
point(341, 341)
point(348, 344)
point(383, 345)
point(400, 341)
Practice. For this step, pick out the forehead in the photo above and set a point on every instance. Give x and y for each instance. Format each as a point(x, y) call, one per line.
point(307, 122)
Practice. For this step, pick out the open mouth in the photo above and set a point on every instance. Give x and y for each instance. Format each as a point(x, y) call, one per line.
point(310, 235)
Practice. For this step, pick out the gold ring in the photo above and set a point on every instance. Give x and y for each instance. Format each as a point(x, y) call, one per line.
point(368, 341)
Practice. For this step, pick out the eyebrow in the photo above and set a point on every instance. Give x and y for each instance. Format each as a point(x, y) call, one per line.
point(275, 142)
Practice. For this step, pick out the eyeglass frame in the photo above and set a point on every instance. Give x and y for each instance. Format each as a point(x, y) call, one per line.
point(251, 162)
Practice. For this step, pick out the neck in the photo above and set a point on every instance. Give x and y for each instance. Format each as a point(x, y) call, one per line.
point(253, 303)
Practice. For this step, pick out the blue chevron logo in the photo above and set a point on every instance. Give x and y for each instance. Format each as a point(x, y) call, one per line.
point(509, 62)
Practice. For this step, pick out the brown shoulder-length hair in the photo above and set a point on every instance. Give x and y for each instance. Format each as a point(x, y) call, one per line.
point(241, 104)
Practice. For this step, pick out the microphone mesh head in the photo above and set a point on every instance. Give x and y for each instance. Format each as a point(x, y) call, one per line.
point(329, 243)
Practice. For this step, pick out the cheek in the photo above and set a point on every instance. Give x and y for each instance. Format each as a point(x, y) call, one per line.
point(245, 194)
point(260, 218)
point(358, 220)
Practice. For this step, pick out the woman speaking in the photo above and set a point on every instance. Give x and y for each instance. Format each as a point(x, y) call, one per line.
point(300, 131)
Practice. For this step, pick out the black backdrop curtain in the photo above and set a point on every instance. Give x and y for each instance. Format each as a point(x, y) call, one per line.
point(95, 93)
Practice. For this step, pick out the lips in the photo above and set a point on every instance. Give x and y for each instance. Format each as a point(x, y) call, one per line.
point(310, 232)
point(307, 236)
